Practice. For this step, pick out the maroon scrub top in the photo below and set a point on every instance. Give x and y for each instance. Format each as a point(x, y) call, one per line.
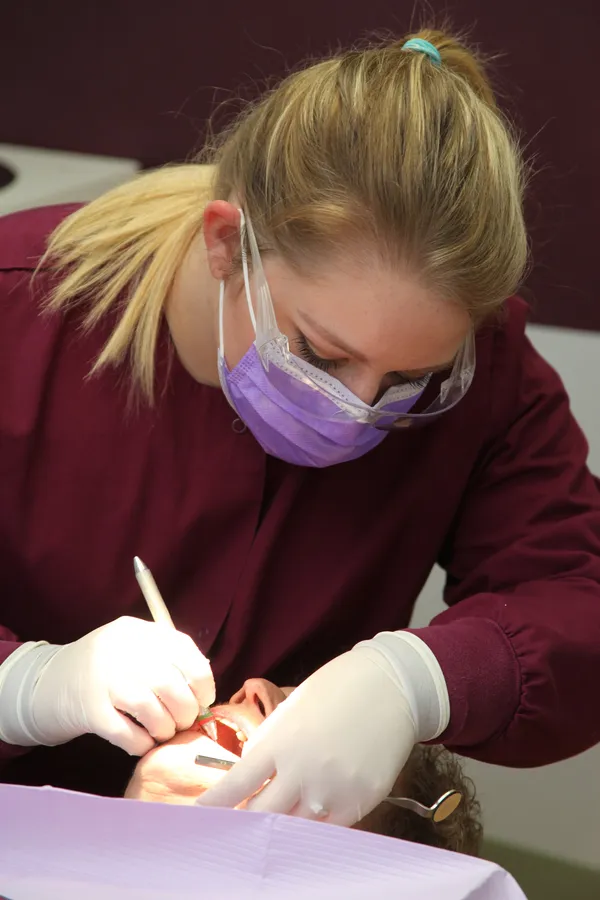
point(275, 569)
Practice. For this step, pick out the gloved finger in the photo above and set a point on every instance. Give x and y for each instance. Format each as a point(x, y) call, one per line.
point(178, 698)
point(243, 780)
point(281, 795)
point(117, 729)
point(193, 665)
point(324, 811)
point(139, 701)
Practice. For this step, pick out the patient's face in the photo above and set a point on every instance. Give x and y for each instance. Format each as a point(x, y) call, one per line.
point(169, 773)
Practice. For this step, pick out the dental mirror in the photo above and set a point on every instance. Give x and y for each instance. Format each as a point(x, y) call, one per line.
point(443, 807)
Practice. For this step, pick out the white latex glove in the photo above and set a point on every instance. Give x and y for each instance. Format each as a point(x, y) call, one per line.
point(50, 695)
point(338, 743)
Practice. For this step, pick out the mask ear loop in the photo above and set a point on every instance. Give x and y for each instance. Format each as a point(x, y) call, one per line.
point(246, 286)
point(221, 302)
point(243, 233)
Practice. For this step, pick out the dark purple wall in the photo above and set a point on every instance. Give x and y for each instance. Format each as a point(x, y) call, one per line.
point(122, 77)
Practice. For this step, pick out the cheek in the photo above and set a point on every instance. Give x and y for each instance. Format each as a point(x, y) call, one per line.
point(238, 332)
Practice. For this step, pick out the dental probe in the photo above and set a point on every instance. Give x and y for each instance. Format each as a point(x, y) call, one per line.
point(160, 614)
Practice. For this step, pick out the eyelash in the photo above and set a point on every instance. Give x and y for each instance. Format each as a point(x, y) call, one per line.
point(418, 382)
point(330, 365)
point(307, 353)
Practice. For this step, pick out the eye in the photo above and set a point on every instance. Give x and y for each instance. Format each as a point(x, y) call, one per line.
point(401, 379)
point(306, 352)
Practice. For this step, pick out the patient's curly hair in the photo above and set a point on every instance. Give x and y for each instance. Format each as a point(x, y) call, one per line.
point(430, 772)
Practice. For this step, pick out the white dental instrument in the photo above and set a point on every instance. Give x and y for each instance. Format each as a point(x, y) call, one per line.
point(161, 615)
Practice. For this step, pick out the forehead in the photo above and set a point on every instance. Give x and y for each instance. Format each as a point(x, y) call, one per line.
point(383, 312)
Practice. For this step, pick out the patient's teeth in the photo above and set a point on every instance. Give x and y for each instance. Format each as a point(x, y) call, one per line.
point(241, 737)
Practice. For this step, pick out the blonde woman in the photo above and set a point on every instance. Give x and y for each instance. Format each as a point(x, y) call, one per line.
point(223, 370)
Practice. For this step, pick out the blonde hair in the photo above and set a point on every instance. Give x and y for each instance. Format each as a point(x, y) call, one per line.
point(376, 144)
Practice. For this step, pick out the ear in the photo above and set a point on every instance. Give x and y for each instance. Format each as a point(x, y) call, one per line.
point(221, 229)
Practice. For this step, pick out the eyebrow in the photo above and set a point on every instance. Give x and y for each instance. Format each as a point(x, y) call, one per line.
point(356, 354)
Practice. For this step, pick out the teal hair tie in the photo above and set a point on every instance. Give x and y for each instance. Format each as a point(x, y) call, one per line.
point(425, 47)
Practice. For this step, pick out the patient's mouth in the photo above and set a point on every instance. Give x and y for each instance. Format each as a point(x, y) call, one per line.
point(232, 728)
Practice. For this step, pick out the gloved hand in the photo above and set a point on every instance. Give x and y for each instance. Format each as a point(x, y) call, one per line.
point(50, 694)
point(338, 743)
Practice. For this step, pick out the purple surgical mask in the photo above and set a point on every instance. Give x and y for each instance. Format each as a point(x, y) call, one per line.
point(294, 410)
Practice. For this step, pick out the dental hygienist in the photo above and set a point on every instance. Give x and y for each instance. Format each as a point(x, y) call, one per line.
point(224, 369)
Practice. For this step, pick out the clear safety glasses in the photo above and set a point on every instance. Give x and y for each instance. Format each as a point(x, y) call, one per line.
point(273, 348)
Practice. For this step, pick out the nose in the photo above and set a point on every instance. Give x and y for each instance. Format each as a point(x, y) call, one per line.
point(255, 693)
point(367, 386)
